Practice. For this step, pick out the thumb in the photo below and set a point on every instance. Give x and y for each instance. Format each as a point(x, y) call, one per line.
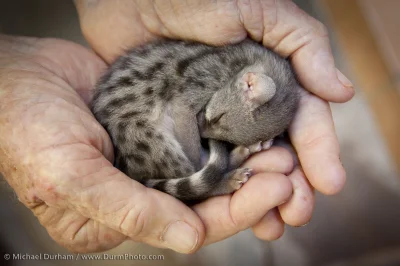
point(143, 214)
point(293, 33)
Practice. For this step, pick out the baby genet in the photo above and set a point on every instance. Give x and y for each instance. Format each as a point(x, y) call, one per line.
point(160, 100)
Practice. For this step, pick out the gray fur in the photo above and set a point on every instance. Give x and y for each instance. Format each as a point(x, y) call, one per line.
point(157, 101)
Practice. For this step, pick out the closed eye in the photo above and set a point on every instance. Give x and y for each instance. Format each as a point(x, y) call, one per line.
point(215, 120)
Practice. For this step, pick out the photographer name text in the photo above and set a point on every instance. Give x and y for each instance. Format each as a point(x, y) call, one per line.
point(105, 256)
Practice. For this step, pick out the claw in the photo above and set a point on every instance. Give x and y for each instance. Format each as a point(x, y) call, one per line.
point(248, 172)
point(267, 144)
point(254, 148)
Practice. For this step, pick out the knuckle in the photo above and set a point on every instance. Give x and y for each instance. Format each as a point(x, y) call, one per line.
point(132, 222)
point(252, 19)
point(316, 141)
point(133, 218)
point(237, 221)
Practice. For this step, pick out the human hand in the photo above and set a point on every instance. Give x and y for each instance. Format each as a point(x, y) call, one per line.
point(57, 158)
point(112, 26)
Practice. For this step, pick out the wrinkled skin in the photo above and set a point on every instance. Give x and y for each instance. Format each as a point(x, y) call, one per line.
point(57, 157)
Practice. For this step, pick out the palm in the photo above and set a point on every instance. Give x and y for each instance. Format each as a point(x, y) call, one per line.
point(65, 144)
point(75, 159)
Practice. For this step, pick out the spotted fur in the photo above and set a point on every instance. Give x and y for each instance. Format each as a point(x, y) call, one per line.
point(158, 101)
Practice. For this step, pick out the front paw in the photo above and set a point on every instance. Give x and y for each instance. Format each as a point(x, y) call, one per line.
point(238, 177)
point(232, 181)
point(267, 144)
point(260, 146)
point(238, 156)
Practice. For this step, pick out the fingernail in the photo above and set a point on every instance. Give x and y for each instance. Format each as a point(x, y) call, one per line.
point(180, 237)
point(342, 78)
point(307, 223)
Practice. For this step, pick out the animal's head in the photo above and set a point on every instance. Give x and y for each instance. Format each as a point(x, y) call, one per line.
point(254, 106)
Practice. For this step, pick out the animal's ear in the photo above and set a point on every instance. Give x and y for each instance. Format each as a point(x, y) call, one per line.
point(257, 88)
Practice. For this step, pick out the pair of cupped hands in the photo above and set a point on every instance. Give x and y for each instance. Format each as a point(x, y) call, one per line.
point(57, 157)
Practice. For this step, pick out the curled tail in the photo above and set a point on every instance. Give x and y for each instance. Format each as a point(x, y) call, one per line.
point(214, 179)
point(200, 184)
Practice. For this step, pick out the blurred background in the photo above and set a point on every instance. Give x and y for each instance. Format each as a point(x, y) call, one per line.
point(359, 226)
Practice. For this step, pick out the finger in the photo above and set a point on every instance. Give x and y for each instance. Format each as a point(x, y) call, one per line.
point(276, 159)
point(280, 24)
point(285, 143)
point(313, 135)
point(133, 23)
point(292, 32)
point(111, 27)
point(227, 215)
point(111, 198)
point(270, 227)
point(297, 211)
point(207, 21)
